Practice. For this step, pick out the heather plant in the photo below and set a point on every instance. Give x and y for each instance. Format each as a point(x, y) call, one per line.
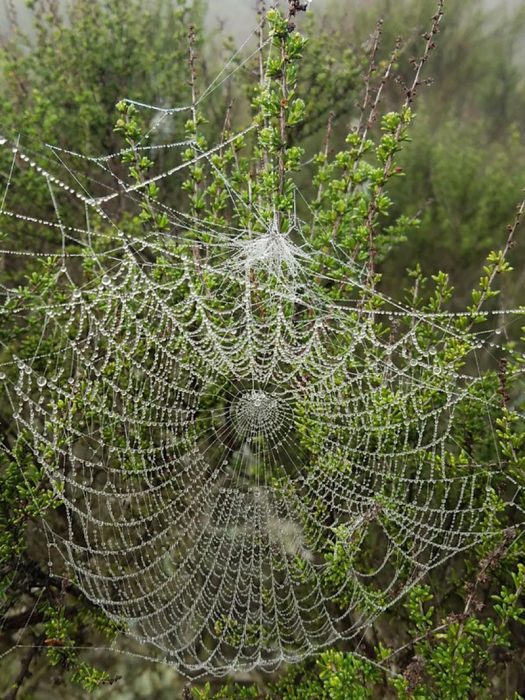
point(459, 181)
point(246, 231)
point(60, 85)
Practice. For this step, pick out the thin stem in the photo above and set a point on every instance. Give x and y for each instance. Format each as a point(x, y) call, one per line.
point(509, 244)
point(193, 87)
point(294, 7)
point(24, 672)
point(410, 96)
point(371, 69)
point(282, 128)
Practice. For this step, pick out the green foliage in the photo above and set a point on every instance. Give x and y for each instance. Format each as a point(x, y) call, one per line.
point(476, 72)
point(462, 171)
point(462, 185)
point(345, 677)
point(456, 653)
point(369, 189)
point(60, 638)
point(111, 50)
point(453, 656)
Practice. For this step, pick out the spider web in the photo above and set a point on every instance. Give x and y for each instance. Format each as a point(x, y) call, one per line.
point(222, 433)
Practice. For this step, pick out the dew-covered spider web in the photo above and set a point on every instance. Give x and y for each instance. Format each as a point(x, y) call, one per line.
point(223, 431)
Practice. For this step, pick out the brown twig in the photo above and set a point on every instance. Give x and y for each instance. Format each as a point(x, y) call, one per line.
point(294, 7)
point(282, 129)
point(16, 622)
point(326, 150)
point(472, 602)
point(24, 672)
point(12, 16)
point(261, 14)
point(192, 58)
point(502, 378)
point(371, 70)
point(509, 244)
point(410, 95)
point(365, 126)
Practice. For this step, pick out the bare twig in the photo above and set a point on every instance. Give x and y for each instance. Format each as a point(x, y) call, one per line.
point(371, 69)
point(282, 129)
point(21, 620)
point(509, 244)
point(365, 125)
point(326, 150)
point(410, 95)
point(24, 672)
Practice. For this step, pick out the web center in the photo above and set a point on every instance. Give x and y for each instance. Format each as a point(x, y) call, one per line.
point(254, 420)
point(257, 413)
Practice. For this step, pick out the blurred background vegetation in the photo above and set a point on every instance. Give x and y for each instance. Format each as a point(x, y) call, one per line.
point(63, 68)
